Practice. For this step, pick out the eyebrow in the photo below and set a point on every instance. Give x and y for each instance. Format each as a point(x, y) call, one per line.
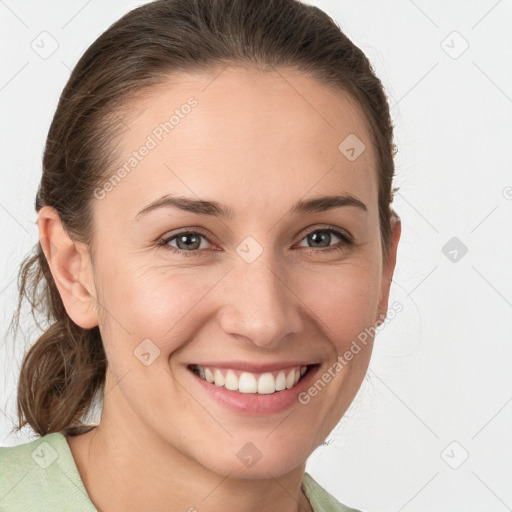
point(213, 208)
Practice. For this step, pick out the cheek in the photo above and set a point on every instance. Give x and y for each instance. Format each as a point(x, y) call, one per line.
point(151, 302)
point(344, 299)
point(149, 315)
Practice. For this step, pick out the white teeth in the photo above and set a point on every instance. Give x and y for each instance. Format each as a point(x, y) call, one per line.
point(247, 382)
point(219, 378)
point(281, 381)
point(231, 382)
point(266, 384)
point(290, 380)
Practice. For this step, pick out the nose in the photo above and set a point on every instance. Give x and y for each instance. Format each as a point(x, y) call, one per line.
point(259, 304)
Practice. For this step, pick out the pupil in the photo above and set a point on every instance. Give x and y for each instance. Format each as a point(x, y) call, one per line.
point(183, 239)
point(323, 236)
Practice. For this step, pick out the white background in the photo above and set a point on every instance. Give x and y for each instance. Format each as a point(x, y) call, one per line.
point(441, 370)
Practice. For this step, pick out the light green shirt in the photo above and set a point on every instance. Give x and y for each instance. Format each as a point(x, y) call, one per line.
point(41, 476)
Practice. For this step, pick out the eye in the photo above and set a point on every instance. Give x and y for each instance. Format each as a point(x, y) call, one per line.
point(321, 239)
point(188, 243)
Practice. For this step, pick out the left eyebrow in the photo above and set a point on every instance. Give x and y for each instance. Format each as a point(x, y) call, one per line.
point(321, 204)
point(213, 208)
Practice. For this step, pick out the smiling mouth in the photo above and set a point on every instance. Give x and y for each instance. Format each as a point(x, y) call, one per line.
point(247, 382)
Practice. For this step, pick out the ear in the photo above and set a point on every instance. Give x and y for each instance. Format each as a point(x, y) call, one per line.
point(71, 269)
point(389, 266)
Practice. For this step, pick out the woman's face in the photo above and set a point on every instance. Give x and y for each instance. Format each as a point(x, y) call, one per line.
point(254, 284)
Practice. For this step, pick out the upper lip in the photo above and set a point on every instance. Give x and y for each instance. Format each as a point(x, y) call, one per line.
point(246, 366)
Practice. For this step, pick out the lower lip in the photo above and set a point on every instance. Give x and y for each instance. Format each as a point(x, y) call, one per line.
point(254, 403)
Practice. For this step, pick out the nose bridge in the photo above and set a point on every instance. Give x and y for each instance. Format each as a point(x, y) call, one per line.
point(258, 303)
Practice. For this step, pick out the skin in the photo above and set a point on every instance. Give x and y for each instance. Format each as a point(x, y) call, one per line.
point(257, 145)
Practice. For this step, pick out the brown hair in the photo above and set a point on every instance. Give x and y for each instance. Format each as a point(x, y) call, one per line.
point(64, 371)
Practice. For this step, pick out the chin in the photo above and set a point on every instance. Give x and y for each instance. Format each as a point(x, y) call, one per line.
point(273, 465)
point(268, 455)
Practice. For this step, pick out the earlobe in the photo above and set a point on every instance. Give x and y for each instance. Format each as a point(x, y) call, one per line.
point(70, 266)
point(389, 265)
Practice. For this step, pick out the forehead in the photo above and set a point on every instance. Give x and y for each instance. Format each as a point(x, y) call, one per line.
point(245, 138)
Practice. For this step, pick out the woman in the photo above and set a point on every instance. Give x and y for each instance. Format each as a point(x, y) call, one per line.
point(215, 232)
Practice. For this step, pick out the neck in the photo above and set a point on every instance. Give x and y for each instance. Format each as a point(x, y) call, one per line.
point(128, 469)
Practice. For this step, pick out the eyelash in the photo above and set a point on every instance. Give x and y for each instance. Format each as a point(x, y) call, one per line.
point(346, 242)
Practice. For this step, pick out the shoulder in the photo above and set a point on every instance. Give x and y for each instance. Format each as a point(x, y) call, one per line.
point(320, 499)
point(42, 475)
